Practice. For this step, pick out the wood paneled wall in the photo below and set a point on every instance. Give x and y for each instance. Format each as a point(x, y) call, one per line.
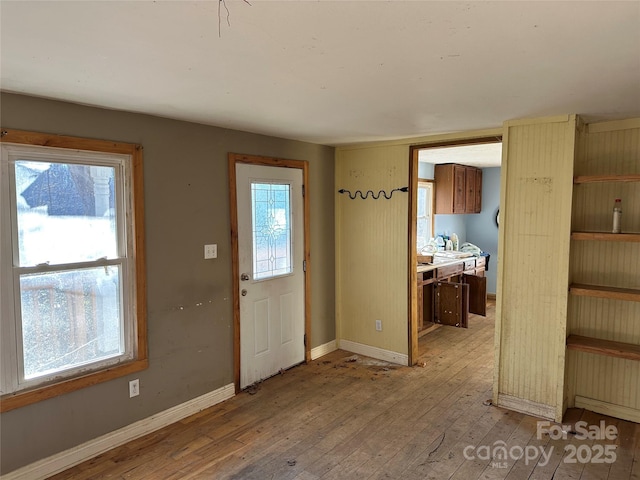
point(535, 209)
point(372, 249)
point(607, 148)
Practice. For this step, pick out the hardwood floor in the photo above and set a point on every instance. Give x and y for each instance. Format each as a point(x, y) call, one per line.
point(350, 417)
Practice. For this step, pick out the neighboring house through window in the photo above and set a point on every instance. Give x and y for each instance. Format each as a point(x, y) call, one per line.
point(71, 269)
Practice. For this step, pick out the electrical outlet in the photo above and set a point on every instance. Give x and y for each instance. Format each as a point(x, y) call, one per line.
point(134, 388)
point(210, 251)
point(379, 325)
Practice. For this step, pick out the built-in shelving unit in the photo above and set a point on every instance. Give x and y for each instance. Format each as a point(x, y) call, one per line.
point(602, 291)
point(604, 347)
point(598, 345)
point(605, 236)
point(605, 178)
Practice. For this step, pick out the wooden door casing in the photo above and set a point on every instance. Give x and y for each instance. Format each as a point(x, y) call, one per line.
point(233, 159)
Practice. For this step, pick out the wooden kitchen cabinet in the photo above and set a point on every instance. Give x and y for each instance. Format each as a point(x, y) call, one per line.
point(470, 188)
point(452, 304)
point(447, 294)
point(477, 292)
point(459, 296)
point(477, 203)
point(458, 189)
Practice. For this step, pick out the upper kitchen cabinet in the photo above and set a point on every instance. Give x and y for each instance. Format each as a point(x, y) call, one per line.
point(477, 199)
point(458, 188)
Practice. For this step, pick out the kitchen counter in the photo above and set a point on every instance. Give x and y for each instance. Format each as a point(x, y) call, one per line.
point(443, 259)
point(440, 263)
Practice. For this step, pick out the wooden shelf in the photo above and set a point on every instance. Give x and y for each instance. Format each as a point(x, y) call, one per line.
point(604, 347)
point(604, 236)
point(601, 291)
point(605, 178)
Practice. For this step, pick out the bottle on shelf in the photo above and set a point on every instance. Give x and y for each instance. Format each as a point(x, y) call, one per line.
point(617, 215)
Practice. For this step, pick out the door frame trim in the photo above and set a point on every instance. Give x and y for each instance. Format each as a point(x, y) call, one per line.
point(233, 160)
point(464, 138)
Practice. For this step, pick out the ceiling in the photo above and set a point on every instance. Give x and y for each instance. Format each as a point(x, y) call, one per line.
point(329, 72)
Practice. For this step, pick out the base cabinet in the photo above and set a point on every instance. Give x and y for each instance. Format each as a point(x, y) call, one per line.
point(452, 304)
point(455, 300)
point(478, 293)
point(449, 293)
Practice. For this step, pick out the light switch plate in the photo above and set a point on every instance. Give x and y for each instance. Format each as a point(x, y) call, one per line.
point(210, 251)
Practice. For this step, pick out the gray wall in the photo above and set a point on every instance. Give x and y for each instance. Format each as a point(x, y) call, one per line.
point(190, 322)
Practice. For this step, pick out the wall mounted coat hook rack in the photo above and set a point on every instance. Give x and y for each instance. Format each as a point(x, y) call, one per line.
point(364, 196)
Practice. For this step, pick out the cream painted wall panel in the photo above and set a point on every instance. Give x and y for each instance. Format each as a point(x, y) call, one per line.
point(372, 247)
point(606, 263)
point(619, 390)
point(606, 151)
point(611, 150)
point(534, 247)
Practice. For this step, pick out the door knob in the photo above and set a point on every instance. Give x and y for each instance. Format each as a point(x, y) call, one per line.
point(244, 277)
point(244, 292)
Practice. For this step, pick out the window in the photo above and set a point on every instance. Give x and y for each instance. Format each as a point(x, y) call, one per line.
point(271, 226)
point(425, 214)
point(72, 264)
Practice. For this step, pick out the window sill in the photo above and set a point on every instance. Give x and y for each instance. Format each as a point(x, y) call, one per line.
point(20, 399)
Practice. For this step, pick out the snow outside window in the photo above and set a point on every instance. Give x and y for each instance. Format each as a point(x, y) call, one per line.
point(68, 272)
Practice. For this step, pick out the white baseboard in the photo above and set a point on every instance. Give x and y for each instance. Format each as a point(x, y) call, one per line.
point(69, 458)
point(322, 350)
point(374, 352)
point(610, 409)
point(527, 406)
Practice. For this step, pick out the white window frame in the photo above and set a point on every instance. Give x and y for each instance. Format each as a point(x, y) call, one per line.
point(429, 185)
point(127, 160)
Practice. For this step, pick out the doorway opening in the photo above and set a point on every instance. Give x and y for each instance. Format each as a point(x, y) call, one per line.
point(483, 155)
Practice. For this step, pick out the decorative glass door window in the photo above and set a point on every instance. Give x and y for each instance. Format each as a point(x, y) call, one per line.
point(271, 227)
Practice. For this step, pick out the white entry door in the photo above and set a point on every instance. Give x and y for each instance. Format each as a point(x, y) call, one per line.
point(270, 262)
